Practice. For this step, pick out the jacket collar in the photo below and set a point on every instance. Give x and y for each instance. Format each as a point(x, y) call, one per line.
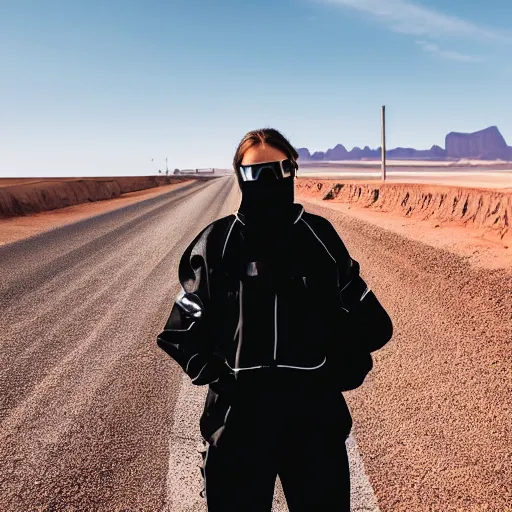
point(298, 210)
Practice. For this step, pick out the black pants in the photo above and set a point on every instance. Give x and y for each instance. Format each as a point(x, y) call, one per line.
point(301, 440)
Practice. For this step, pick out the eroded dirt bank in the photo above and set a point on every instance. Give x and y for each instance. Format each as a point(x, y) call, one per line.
point(470, 207)
point(26, 196)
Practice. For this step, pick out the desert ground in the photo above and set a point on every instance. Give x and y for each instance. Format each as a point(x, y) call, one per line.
point(462, 163)
point(94, 416)
point(473, 177)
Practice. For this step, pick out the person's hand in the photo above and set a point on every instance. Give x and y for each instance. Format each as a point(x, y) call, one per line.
point(214, 369)
point(225, 383)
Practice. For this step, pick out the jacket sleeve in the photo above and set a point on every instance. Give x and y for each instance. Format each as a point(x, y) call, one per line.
point(187, 335)
point(368, 320)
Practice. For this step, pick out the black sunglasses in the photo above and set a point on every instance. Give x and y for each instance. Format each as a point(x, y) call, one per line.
point(277, 170)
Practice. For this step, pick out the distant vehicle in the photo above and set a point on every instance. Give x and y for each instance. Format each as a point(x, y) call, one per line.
point(209, 170)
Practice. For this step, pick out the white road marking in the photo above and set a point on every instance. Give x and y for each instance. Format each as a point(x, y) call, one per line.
point(184, 482)
point(362, 496)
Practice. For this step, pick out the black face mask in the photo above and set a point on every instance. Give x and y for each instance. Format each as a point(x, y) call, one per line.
point(267, 207)
point(267, 201)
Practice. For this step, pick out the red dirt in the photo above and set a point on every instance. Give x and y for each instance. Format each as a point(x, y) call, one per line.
point(474, 207)
point(23, 226)
point(22, 196)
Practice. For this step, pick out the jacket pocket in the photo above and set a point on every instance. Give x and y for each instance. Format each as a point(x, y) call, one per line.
point(300, 326)
point(217, 408)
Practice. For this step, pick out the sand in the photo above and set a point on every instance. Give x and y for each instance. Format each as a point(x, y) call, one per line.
point(470, 222)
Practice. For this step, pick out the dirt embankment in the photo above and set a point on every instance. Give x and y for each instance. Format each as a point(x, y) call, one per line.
point(471, 207)
point(26, 196)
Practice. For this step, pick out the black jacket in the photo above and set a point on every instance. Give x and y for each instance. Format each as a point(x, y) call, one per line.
point(307, 314)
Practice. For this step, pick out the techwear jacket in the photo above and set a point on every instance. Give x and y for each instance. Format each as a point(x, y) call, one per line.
point(308, 313)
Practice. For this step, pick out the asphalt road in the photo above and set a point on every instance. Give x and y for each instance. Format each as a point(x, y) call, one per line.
point(95, 417)
point(87, 398)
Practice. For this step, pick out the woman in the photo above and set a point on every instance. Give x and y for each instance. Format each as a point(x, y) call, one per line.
point(276, 319)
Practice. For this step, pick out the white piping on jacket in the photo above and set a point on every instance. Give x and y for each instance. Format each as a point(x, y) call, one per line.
point(186, 368)
point(346, 285)
point(229, 234)
point(299, 216)
point(303, 367)
point(200, 371)
point(365, 294)
point(275, 327)
point(182, 330)
point(318, 238)
point(248, 368)
point(279, 366)
point(240, 310)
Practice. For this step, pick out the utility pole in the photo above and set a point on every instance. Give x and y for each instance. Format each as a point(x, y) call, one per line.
point(166, 167)
point(383, 143)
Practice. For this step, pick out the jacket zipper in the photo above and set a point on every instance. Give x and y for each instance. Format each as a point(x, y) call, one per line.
point(275, 327)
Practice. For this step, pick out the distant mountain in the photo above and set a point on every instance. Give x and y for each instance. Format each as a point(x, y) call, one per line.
point(487, 144)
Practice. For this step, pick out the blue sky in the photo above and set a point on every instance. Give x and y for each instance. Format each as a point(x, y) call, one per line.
point(102, 87)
